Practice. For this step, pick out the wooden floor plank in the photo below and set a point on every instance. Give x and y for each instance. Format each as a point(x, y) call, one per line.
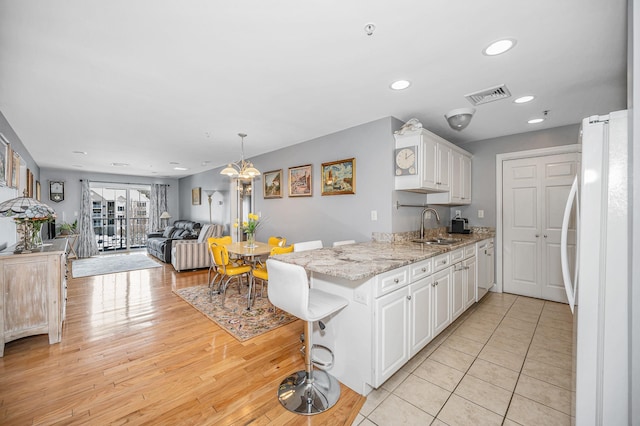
point(133, 352)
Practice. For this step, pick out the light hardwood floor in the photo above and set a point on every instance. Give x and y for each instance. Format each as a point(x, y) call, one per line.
point(134, 352)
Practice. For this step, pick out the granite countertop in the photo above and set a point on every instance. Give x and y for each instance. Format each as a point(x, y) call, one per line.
point(364, 260)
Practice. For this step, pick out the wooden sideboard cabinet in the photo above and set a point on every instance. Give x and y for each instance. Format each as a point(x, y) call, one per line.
point(34, 288)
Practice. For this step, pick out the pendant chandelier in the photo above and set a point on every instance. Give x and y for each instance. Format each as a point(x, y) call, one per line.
point(241, 169)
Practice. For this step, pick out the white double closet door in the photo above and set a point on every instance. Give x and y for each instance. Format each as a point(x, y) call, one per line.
point(535, 192)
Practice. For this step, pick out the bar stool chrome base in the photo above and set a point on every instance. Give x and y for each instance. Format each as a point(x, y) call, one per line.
point(308, 397)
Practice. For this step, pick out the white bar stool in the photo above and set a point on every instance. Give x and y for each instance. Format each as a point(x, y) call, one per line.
point(307, 245)
point(310, 391)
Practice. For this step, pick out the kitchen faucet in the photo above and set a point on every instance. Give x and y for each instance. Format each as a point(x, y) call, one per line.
point(428, 209)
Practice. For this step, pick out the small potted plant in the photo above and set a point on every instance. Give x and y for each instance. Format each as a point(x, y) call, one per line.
point(68, 228)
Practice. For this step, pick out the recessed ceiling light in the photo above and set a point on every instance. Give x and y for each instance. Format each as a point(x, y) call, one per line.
point(535, 120)
point(498, 47)
point(173, 162)
point(400, 84)
point(524, 99)
point(79, 152)
point(119, 164)
point(180, 168)
point(77, 165)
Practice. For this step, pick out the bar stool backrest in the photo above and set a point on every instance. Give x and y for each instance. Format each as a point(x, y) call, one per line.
point(288, 288)
point(307, 245)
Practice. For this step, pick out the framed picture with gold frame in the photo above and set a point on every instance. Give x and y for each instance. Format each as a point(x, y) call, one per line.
point(196, 196)
point(300, 183)
point(339, 177)
point(272, 184)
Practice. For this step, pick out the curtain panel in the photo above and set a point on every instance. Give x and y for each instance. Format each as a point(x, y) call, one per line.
point(158, 205)
point(87, 244)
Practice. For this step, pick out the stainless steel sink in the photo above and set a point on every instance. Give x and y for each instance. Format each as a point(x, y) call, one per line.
point(437, 241)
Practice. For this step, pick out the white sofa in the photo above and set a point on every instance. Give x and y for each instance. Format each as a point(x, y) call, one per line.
point(194, 254)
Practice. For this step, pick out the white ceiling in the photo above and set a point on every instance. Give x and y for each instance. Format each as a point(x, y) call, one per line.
point(147, 82)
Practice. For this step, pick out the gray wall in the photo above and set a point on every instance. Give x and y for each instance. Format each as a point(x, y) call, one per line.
point(328, 218)
point(7, 226)
point(68, 209)
point(483, 174)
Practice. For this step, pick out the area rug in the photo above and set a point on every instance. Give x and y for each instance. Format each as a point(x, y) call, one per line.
point(111, 264)
point(234, 317)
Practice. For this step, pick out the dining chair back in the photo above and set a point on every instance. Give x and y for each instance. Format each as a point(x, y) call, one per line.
point(307, 245)
point(343, 242)
point(277, 241)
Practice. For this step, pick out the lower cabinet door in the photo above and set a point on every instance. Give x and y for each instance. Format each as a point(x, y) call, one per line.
point(457, 291)
point(441, 287)
point(420, 321)
point(470, 281)
point(392, 334)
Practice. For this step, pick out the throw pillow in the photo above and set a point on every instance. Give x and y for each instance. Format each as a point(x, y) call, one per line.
point(168, 231)
point(204, 233)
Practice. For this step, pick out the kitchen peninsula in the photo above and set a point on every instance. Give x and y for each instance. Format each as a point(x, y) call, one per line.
point(401, 295)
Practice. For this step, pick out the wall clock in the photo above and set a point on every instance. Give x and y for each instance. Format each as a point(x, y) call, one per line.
point(405, 161)
point(56, 190)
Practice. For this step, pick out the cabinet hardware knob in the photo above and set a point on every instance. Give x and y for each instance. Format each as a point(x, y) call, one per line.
point(537, 235)
point(424, 269)
point(396, 280)
point(545, 235)
point(408, 297)
point(435, 283)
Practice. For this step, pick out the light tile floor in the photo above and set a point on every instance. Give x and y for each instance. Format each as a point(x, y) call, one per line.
point(506, 361)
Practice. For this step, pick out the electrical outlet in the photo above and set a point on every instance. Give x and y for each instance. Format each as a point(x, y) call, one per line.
point(480, 214)
point(428, 215)
point(458, 213)
point(374, 215)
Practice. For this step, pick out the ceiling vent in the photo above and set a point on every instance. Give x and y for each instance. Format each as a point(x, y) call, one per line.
point(489, 95)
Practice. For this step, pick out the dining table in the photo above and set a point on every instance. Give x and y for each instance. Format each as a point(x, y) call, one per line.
point(251, 254)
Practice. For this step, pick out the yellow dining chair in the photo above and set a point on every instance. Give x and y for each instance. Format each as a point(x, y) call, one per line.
point(228, 270)
point(223, 241)
point(277, 241)
point(260, 272)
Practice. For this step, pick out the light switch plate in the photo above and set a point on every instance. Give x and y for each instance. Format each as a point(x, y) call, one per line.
point(480, 214)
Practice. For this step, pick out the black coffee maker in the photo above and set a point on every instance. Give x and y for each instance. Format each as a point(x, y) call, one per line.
point(460, 225)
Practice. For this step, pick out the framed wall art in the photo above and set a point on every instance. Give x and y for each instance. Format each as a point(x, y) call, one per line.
point(195, 196)
point(29, 183)
point(272, 184)
point(4, 160)
point(15, 170)
point(339, 177)
point(300, 181)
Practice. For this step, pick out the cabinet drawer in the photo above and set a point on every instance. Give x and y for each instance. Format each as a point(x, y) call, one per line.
point(456, 255)
point(421, 269)
point(391, 280)
point(469, 251)
point(440, 262)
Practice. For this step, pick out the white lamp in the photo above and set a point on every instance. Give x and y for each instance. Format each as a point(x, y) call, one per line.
point(459, 118)
point(164, 216)
point(209, 193)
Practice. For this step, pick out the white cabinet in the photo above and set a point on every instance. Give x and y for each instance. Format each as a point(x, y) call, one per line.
point(469, 281)
point(441, 287)
point(457, 290)
point(486, 267)
point(432, 171)
point(402, 327)
point(459, 181)
point(392, 332)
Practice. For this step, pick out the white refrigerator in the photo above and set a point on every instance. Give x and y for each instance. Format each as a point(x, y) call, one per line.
point(600, 285)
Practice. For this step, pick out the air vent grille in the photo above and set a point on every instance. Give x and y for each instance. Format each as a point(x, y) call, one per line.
point(488, 95)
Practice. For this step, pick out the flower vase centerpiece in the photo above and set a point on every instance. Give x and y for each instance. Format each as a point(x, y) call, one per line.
point(249, 227)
